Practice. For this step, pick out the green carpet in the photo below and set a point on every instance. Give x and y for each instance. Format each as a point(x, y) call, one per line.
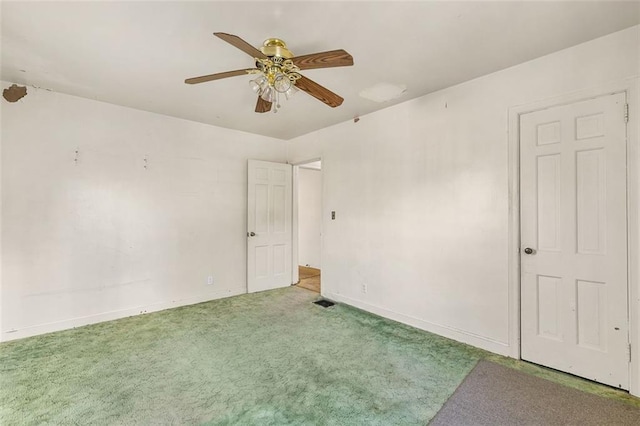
point(266, 358)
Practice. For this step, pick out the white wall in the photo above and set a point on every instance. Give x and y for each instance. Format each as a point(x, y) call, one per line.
point(309, 217)
point(105, 237)
point(421, 194)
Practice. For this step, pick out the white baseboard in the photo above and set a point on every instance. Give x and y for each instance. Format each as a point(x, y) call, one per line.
point(472, 339)
point(445, 331)
point(35, 330)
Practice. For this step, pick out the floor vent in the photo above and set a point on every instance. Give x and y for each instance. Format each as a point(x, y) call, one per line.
point(324, 303)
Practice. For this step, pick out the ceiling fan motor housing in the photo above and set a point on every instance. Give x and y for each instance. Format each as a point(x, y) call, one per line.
point(276, 47)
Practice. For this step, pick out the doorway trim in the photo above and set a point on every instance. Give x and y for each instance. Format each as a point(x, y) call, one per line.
point(294, 217)
point(630, 87)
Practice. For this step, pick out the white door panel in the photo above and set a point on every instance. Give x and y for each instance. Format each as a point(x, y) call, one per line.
point(269, 226)
point(573, 217)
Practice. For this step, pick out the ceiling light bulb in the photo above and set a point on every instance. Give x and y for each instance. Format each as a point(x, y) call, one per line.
point(291, 91)
point(259, 84)
point(282, 83)
point(268, 94)
point(255, 86)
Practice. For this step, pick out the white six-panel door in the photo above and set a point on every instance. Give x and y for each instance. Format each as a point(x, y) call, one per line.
point(269, 226)
point(574, 239)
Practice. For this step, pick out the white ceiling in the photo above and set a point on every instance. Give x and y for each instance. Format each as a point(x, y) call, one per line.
point(315, 165)
point(137, 54)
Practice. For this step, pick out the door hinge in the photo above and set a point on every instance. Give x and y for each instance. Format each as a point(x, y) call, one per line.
point(626, 113)
point(629, 352)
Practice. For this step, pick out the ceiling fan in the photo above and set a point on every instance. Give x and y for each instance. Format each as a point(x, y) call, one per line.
point(278, 71)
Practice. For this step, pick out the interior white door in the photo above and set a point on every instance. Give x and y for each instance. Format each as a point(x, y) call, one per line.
point(269, 226)
point(574, 306)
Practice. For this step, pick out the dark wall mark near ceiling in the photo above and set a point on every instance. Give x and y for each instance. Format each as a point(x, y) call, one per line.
point(14, 93)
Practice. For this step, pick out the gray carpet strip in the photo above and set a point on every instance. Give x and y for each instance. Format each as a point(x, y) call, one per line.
point(495, 395)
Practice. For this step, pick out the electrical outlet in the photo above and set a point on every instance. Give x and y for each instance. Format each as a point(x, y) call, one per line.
point(364, 288)
point(210, 280)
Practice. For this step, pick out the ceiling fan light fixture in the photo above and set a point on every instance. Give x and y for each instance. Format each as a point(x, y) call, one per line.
point(258, 84)
point(278, 72)
point(282, 83)
point(268, 94)
point(291, 92)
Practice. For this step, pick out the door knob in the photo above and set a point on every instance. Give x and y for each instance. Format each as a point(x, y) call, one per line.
point(528, 250)
point(251, 234)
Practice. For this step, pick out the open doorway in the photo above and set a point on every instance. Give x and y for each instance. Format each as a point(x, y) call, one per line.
point(309, 225)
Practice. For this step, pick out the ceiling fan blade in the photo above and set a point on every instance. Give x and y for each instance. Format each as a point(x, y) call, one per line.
point(332, 58)
point(262, 105)
point(321, 93)
point(218, 76)
point(241, 44)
